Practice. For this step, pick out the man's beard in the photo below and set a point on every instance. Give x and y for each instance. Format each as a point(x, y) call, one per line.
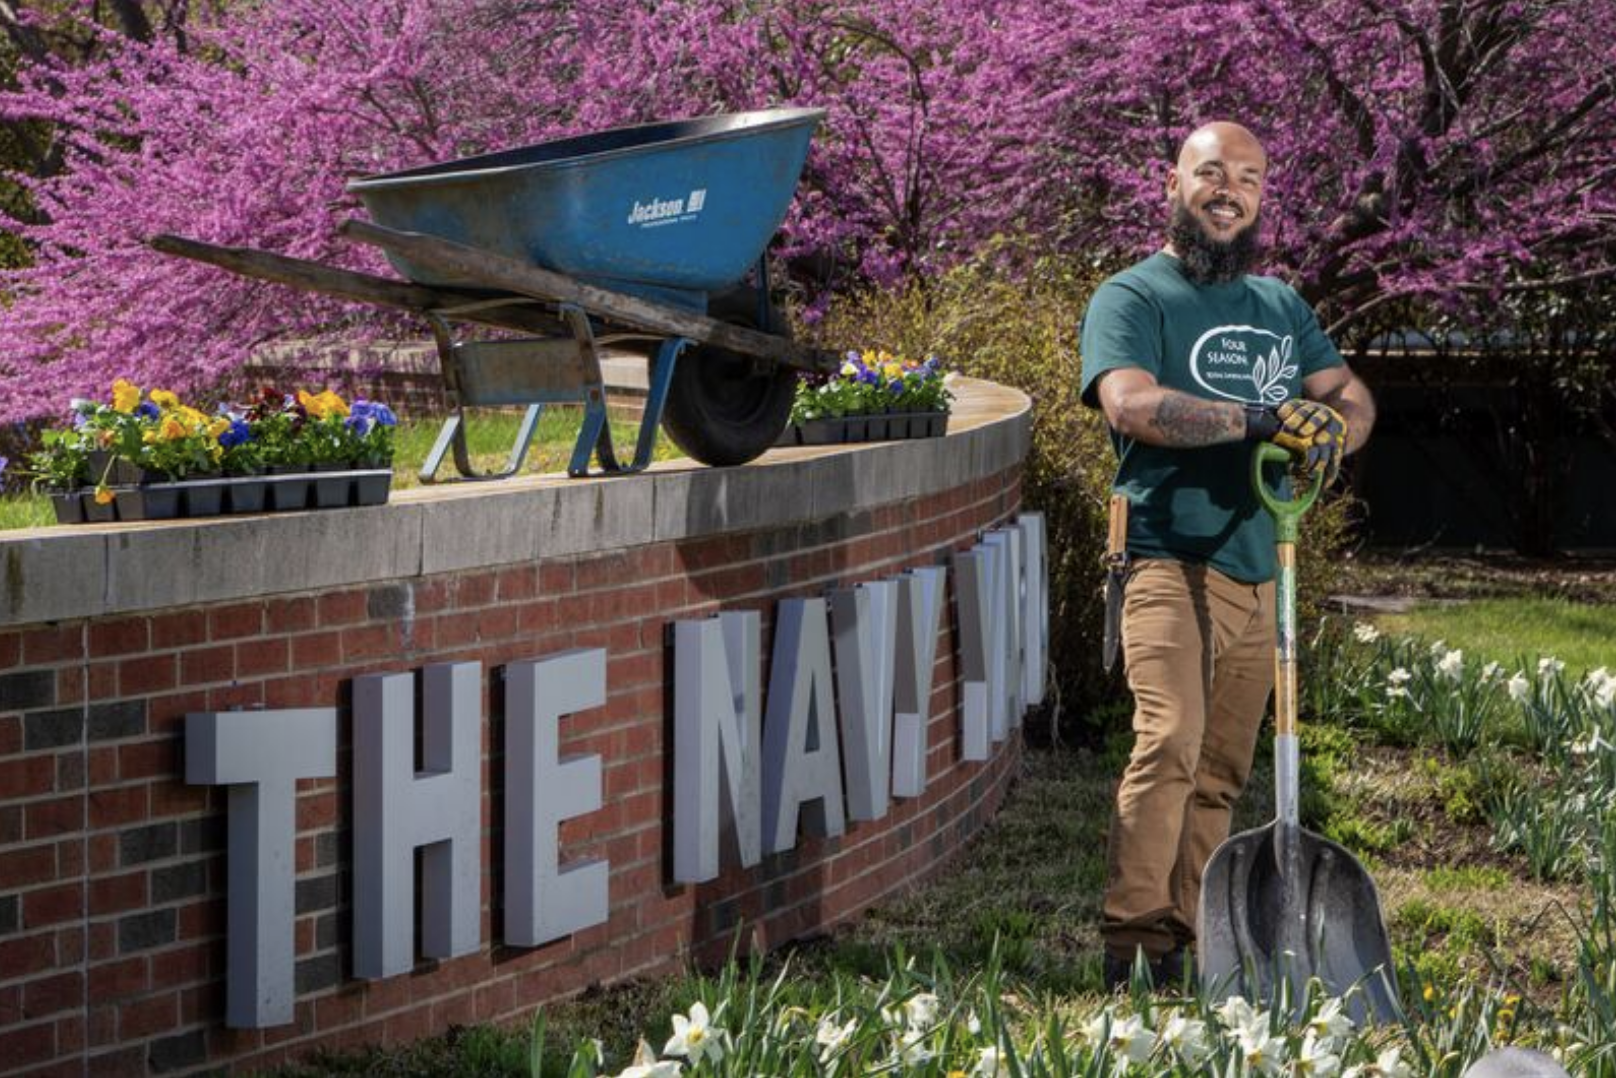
point(1206, 260)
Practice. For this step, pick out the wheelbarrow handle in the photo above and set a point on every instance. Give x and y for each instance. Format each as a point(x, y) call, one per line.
point(1287, 512)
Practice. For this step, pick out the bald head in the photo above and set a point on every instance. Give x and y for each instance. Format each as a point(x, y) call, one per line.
point(1217, 138)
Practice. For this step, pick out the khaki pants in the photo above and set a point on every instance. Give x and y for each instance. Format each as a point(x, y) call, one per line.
point(1199, 648)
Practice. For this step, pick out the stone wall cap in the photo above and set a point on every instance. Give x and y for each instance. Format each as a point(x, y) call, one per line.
point(91, 570)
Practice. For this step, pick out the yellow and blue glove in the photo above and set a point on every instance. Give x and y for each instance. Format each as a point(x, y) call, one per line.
point(1314, 433)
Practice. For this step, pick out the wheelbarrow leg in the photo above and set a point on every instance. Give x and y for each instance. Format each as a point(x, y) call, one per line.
point(661, 378)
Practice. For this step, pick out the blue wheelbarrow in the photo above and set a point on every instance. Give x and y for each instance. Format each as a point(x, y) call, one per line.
point(648, 237)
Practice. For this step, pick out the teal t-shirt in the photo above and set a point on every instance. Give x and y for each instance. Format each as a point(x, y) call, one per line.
point(1250, 341)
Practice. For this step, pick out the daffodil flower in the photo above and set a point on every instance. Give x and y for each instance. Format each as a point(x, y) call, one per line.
point(1365, 633)
point(693, 1036)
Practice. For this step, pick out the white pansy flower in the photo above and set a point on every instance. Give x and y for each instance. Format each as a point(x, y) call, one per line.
point(831, 1037)
point(1316, 1059)
point(1451, 665)
point(1132, 1039)
point(1520, 690)
point(694, 1037)
point(1549, 665)
point(1365, 632)
point(1187, 1037)
point(1331, 1020)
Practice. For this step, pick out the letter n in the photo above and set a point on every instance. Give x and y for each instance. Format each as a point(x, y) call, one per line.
point(717, 743)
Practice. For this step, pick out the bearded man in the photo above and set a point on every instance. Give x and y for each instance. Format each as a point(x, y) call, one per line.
point(1191, 357)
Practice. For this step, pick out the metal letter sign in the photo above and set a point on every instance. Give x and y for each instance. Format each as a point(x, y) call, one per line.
point(1034, 606)
point(717, 743)
point(544, 901)
point(1008, 605)
point(802, 766)
point(397, 810)
point(973, 595)
point(865, 626)
point(260, 755)
point(920, 605)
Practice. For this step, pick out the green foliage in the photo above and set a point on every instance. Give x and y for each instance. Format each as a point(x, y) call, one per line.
point(1582, 635)
point(1467, 878)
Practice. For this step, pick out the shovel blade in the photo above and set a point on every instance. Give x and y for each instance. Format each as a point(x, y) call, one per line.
point(1280, 905)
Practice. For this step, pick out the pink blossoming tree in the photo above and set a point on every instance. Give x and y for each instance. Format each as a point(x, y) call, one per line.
point(1429, 154)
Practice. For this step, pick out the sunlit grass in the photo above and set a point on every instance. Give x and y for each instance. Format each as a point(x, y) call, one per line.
point(1580, 635)
point(489, 436)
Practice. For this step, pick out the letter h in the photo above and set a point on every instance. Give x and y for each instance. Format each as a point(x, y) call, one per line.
point(397, 810)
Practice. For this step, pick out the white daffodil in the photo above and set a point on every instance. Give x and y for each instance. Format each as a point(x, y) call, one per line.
point(694, 1037)
point(1605, 692)
point(667, 1068)
point(1438, 648)
point(1264, 1052)
point(645, 1064)
point(1132, 1039)
point(1388, 1064)
point(973, 1024)
point(1365, 633)
point(1331, 1020)
point(990, 1064)
point(1399, 676)
point(1236, 1012)
point(831, 1037)
point(1520, 690)
point(1317, 1058)
point(1187, 1037)
point(1491, 672)
point(1549, 665)
point(1096, 1029)
point(920, 1010)
point(912, 1048)
point(1451, 665)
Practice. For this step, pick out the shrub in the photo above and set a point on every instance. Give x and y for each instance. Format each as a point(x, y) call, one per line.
point(1021, 331)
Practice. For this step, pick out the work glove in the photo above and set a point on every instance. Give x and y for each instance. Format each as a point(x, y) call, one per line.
point(1314, 433)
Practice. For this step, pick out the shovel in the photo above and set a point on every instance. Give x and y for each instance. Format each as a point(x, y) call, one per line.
point(1279, 904)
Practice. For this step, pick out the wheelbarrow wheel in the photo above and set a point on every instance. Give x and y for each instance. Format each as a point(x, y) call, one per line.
point(721, 410)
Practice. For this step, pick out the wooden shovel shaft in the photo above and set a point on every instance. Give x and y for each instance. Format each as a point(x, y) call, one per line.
point(1285, 642)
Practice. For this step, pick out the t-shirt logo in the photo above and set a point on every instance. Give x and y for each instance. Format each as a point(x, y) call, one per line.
point(1244, 363)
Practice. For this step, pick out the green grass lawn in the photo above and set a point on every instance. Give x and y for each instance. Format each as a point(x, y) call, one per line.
point(489, 435)
point(1581, 635)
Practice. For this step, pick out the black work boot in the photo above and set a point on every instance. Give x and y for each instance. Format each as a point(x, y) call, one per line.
point(1170, 969)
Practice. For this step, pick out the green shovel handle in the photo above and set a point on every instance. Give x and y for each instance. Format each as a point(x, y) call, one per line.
point(1287, 512)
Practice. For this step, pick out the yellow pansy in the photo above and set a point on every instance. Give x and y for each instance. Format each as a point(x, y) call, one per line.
point(192, 416)
point(218, 425)
point(103, 496)
point(125, 396)
point(172, 429)
point(334, 405)
point(164, 398)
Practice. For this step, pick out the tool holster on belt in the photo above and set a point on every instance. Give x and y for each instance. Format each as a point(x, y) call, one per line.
point(1116, 578)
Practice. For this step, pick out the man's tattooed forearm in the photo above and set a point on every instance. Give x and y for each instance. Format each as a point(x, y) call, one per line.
point(1189, 421)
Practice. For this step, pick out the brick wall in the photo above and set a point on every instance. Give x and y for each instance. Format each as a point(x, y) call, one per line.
point(112, 869)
